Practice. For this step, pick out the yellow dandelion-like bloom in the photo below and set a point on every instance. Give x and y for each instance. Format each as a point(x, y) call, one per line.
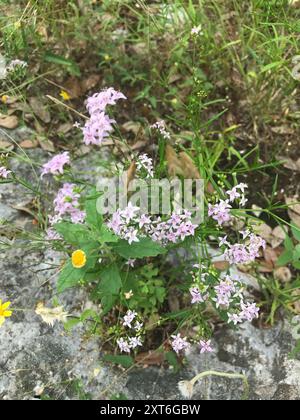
point(78, 258)
point(65, 95)
point(3, 311)
point(4, 99)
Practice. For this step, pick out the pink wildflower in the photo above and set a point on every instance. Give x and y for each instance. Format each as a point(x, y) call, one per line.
point(205, 346)
point(56, 165)
point(4, 172)
point(179, 343)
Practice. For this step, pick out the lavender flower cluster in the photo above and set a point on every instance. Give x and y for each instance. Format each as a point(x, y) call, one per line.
point(161, 127)
point(130, 343)
point(221, 210)
point(4, 172)
point(99, 125)
point(129, 225)
point(66, 204)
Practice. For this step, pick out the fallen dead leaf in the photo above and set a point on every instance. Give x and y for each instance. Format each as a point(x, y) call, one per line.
point(6, 145)
point(150, 358)
point(46, 144)
point(283, 129)
point(29, 144)
point(65, 128)
point(130, 174)
point(289, 163)
point(73, 87)
point(221, 265)
point(283, 274)
point(40, 109)
point(273, 236)
point(133, 126)
point(294, 209)
point(188, 166)
point(174, 164)
point(9, 122)
point(90, 82)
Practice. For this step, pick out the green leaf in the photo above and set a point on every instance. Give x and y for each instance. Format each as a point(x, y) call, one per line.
point(296, 232)
point(74, 234)
point(62, 61)
point(109, 287)
point(71, 323)
point(171, 358)
point(69, 277)
point(285, 258)
point(93, 218)
point(125, 361)
point(144, 248)
point(106, 235)
point(110, 279)
point(288, 243)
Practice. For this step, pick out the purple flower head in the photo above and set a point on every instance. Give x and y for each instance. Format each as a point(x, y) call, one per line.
point(4, 172)
point(135, 342)
point(128, 318)
point(249, 311)
point(205, 346)
point(196, 295)
point(220, 212)
point(97, 128)
point(55, 166)
point(123, 345)
point(98, 102)
point(179, 343)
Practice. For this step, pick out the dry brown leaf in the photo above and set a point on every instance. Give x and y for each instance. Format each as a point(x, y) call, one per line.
point(264, 230)
point(6, 145)
point(29, 144)
point(294, 209)
point(174, 164)
point(289, 163)
point(150, 358)
point(190, 171)
point(278, 235)
point(283, 274)
point(133, 126)
point(90, 82)
point(73, 87)
point(10, 121)
point(283, 129)
point(65, 128)
point(130, 174)
point(270, 256)
point(40, 109)
point(221, 265)
point(46, 144)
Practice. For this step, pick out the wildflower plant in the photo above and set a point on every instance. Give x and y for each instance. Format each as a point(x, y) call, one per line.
point(122, 257)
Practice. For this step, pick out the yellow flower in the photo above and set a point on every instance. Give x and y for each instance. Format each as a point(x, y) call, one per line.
point(65, 95)
point(4, 99)
point(78, 258)
point(3, 312)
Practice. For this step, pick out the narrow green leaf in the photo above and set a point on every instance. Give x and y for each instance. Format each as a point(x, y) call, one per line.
point(144, 248)
point(125, 361)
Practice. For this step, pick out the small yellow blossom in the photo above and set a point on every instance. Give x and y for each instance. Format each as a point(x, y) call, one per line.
point(78, 258)
point(4, 99)
point(65, 95)
point(107, 57)
point(3, 311)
